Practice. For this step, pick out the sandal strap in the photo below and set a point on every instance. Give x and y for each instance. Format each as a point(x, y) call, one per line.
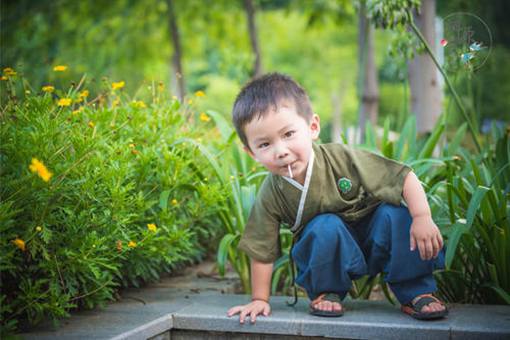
point(423, 301)
point(332, 297)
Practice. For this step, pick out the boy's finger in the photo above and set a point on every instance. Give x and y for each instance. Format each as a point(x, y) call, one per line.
point(421, 248)
point(429, 248)
point(243, 315)
point(233, 311)
point(440, 239)
point(435, 244)
point(253, 316)
point(266, 310)
point(413, 243)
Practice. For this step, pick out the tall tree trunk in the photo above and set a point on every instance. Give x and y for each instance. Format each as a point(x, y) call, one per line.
point(177, 74)
point(336, 118)
point(367, 77)
point(426, 95)
point(252, 29)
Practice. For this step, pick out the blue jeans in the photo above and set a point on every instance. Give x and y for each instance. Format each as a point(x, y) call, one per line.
point(330, 253)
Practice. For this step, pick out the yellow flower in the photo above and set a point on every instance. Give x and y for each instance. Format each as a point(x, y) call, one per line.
point(174, 202)
point(64, 102)
point(38, 228)
point(60, 68)
point(200, 94)
point(9, 72)
point(190, 101)
point(84, 94)
point(151, 227)
point(204, 117)
point(75, 112)
point(132, 244)
point(40, 168)
point(132, 145)
point(19, 243)
point(139, 104)
point(3, 78)
point(118, 85)
point(116, 102)
point(91, 124)
point(48, 88)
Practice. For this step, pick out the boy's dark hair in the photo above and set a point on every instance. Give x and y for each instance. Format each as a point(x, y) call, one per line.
point(264, 93)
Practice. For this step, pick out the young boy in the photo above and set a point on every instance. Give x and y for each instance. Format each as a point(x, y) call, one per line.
point(343, 205)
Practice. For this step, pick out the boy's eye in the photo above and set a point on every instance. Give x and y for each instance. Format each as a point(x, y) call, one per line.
point(289, 133)
point(263, 145)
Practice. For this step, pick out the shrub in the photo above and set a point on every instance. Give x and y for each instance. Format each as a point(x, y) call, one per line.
point(95, 197)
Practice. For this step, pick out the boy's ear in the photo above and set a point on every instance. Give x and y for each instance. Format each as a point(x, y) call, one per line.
point(248, 151)
point(315, 126)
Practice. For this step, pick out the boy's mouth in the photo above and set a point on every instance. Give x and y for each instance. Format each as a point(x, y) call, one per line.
point(289, 168)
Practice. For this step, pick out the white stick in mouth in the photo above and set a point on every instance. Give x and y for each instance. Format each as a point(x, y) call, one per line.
point(290, 171)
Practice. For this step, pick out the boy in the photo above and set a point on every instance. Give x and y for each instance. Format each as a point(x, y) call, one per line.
point(343, 206)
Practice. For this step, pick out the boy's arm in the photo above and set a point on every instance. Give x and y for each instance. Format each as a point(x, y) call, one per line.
point(424, 233)
point(261, 274)
point(415, 196)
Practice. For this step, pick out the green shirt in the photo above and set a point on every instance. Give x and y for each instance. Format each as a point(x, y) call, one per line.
point(345, 181)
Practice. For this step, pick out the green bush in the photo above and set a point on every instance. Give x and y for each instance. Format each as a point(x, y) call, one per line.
point(96, 196)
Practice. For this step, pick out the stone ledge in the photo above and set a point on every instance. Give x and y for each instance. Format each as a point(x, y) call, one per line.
point(166, 310)
point(362, 319)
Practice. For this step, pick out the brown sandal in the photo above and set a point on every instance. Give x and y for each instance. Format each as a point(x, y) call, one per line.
point(414, 309)
point(332, 297)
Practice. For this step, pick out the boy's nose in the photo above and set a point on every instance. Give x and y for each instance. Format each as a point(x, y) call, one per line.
point(281, 152)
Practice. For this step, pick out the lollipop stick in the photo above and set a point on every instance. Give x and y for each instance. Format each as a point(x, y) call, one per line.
point(290, 171)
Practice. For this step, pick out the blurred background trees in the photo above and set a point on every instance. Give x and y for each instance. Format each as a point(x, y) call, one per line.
point(216, 46)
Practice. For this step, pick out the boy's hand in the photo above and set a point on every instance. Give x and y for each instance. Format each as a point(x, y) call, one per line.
point(425, 234)
point(252, 309)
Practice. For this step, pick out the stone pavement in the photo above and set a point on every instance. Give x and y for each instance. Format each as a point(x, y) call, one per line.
point(191, 307)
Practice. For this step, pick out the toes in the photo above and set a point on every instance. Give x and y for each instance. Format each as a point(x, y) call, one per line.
point(433, 307)
point(426, 309)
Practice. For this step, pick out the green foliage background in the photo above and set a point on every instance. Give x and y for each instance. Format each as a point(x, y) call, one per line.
point(116, 170)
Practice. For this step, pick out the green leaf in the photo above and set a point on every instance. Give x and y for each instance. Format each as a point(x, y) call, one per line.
point(457, 139)
point(163, 200)
point(500, 291)
point(458, 229)
point(225, 128)
point(206, 153)
point(281, 261)
point(431, 143)
point(370, 136)
point(223, 251)
point(406, 140)
point(474, 204)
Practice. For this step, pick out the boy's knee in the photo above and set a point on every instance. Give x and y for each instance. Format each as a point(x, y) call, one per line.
point(325, 224)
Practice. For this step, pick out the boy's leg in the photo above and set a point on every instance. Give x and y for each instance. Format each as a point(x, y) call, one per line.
point(387, 248)
point(327, 257)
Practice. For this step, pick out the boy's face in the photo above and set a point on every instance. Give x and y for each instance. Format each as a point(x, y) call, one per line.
point(280, 138)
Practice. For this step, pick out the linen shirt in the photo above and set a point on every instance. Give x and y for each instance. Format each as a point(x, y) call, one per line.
point(346, 181)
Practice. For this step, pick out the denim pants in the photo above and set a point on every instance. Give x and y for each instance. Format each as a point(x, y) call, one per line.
point(330, 253)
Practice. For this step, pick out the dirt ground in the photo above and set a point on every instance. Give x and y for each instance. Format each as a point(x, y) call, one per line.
point(205, 277)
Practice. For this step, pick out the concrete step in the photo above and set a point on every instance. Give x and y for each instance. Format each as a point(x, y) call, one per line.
point(171, 314)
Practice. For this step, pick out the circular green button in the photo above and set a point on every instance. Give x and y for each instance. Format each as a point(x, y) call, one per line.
point(344, 184)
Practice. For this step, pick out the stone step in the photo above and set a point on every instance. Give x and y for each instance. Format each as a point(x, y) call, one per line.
point(170, 313)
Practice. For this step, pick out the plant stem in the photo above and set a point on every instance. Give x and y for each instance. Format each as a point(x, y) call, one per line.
point(450, 86)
